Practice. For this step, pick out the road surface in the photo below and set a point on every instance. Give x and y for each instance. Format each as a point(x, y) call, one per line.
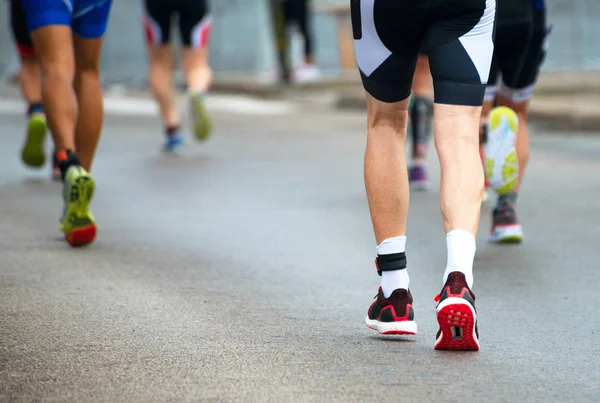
point(242, 271)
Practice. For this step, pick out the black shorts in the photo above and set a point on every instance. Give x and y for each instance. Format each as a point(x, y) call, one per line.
point(193, 16)
point(519, 53)
point(457, 36)
point(19, 29)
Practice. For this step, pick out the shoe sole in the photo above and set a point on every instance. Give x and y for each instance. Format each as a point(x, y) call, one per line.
point(78, 224)
point(501, 165)
point(457, 319)
point(202, 121)
point(33, 154)
point(407, 327)
point(507, 234)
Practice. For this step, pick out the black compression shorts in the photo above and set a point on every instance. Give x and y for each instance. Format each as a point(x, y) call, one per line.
point(19, 29)
point(193, 16)
point(521, 42)
point(457, 35)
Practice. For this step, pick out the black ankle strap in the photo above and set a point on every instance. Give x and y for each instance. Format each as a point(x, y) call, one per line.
point(395, 261)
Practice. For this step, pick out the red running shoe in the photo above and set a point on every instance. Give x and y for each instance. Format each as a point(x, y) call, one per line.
point(393, 315)
point(457, 316)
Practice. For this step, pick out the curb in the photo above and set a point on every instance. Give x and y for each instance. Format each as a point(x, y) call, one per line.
point(560, 116)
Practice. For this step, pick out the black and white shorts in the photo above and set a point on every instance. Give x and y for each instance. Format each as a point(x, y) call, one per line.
point(193, 16)
point(521, 47)
point(457, 35)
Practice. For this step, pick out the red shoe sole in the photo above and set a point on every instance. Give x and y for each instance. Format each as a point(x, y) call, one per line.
point(81, 236)
point(457, 322)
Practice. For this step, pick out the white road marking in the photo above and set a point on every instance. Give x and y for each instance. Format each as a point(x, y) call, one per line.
point(129, 106)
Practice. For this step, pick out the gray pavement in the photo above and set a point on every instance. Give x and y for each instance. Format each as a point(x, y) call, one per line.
point(242, 271)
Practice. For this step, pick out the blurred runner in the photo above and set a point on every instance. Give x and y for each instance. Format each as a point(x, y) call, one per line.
point(285, 14)
point(33, 152)
point(67, 37)
point(458, 38)
point(521, 43)
point(194, 29)
point(281, 41)
point(298, 12)
point(420, 124)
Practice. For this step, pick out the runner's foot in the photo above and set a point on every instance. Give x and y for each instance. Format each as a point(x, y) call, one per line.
point(456, 315)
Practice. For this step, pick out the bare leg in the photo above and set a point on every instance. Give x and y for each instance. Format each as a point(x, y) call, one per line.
point(54, 48)
point(457, 141)
point(197, 71)
point(422, 84)
point(161, 71)
point(386, 177)
point(30, 80)
point(421, 111)
point(198, 77)
point(89, 96)
point(33, 151)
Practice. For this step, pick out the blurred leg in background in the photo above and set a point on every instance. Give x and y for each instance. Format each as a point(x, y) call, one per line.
point(281, 41)
point(30, 81)
point(157, 25)
point(421, 123)
point(297, 12)
point(194, 28)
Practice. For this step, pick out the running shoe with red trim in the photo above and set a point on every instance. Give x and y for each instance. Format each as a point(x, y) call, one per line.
point(393, 315)
point(457, 316)
point(505, 225)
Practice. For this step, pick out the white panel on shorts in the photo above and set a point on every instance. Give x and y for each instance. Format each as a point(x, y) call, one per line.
point(490, 93)
point(370, 51)
point(479, 43)
point(69, 5)
point(517, 95)
point(153, 29)
point(200, 33)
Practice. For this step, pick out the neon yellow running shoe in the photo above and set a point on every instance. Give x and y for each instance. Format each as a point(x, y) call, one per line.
point(501, 165)
point(201, 119)
point(33, 154)
point(77, 222)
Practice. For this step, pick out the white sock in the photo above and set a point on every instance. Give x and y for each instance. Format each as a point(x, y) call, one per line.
point(392, 280)
point(461, 253)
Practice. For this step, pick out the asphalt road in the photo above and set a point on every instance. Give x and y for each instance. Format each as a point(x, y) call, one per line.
point(242, 271)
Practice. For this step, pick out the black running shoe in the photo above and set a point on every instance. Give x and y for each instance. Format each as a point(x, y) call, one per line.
point(457, 316)
point(393, 315)
point(505, 225)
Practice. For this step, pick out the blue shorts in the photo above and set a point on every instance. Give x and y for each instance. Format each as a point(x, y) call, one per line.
point(87, 18)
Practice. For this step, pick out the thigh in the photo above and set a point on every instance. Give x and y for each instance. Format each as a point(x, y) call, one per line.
point(54, 49)
point(513, 44)
point(533, 59)
point(157, 21)
point(90, 18)
point(460, 47)
point(194, 23)
point(87, 53)
point(387, 44)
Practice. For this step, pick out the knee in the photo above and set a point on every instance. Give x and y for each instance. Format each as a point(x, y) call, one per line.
point(29, 68)
point(57, 71)
point(393, 116)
